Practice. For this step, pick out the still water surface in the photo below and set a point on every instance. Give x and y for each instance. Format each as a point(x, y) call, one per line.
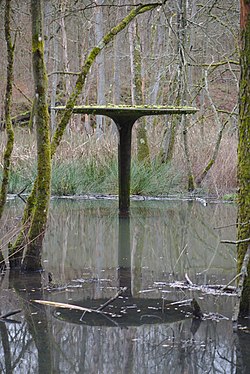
point(89, 253)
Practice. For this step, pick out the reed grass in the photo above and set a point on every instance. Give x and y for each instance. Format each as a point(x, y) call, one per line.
point(85, 165)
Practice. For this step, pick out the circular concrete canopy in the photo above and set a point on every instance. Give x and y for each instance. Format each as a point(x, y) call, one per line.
point(128, 113)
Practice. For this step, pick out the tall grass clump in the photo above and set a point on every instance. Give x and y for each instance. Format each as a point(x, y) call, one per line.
point(92, 177)
point(77, 178)
point(154, 179)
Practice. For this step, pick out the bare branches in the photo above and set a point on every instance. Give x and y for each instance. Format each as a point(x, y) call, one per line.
point(63, 72)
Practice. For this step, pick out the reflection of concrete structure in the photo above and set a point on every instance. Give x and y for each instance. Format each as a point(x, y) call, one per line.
point(124, 255)
point(124, 118)
point(132, 311)
point(43, 344)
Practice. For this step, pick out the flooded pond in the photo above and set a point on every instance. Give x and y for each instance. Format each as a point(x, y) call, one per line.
point(167, 252)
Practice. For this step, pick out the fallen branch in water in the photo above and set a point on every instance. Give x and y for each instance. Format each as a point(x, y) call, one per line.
point(63, 305)
point(74, 307)
point(215, 289)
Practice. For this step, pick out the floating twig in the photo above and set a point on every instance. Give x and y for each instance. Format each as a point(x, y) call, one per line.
point(181, 303)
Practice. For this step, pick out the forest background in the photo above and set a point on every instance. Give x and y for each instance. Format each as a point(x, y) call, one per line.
point(186, 53)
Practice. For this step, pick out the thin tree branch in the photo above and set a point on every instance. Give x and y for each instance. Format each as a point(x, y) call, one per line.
point(236, 241)
point(62, 72)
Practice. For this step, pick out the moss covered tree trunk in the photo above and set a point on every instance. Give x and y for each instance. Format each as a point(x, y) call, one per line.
point(244, 152)
point(32, 259)
point(8, 102)
point(9, 128)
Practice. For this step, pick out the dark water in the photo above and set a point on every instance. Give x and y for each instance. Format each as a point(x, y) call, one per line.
point(90, 253)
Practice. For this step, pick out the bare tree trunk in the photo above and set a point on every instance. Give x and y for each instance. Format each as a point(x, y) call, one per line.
point(180, 85)
point(47, 20)
point(190, 184)
point(65, 46)
point(221, 126)
point(117, 71)
point(158, 48)
point(65, 58)
point(100, 61)
point(182, 36)
point(137, 91)
point(168, 142)
point(117, 76)
point(54, 78)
